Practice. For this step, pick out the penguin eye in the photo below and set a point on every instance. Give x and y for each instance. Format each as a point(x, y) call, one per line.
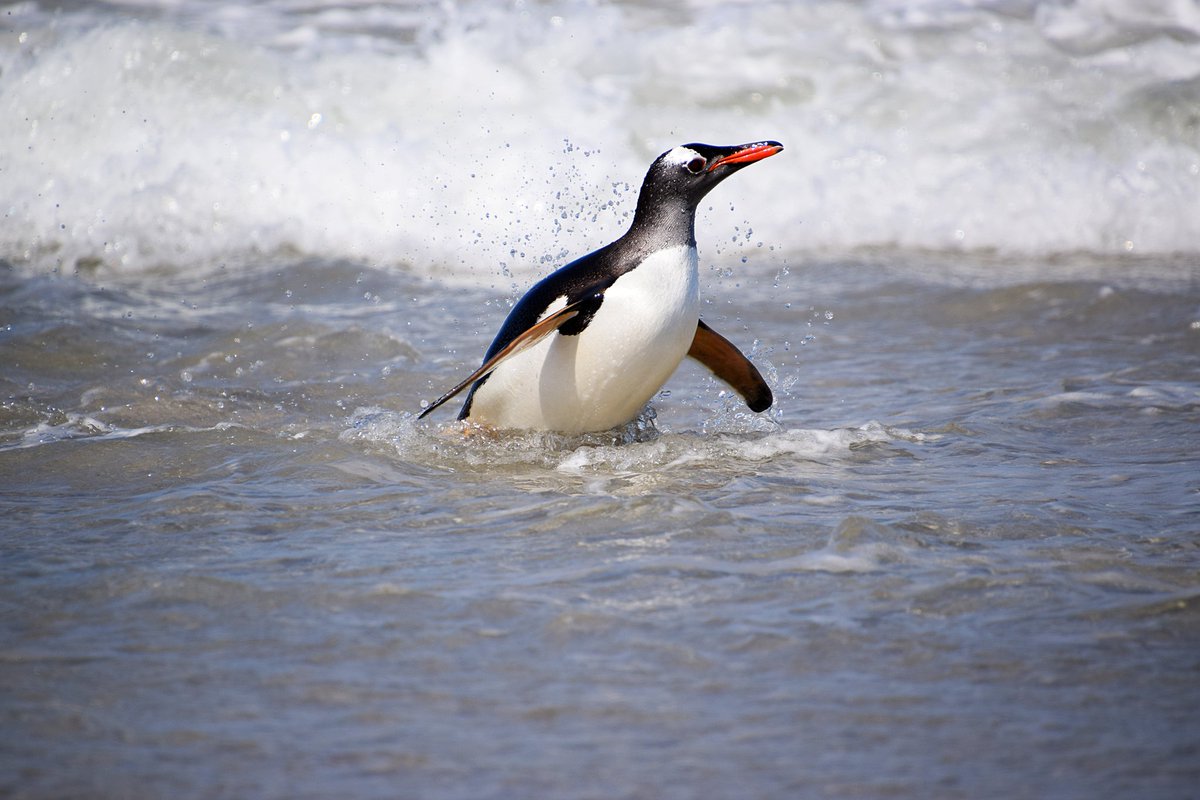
point(696, 165)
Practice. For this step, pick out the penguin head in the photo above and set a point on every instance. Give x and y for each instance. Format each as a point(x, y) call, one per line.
point(682, 176)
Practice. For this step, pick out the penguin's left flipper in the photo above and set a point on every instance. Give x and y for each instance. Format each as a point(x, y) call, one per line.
point(522, 341)
point(727, 362)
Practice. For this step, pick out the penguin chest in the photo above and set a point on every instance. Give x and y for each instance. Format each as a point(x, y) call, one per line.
point(601, 377)
point(634, 342)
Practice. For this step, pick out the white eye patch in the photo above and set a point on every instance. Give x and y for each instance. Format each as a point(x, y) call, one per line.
point(681, 155)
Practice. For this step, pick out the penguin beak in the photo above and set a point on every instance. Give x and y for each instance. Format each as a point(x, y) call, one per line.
point(747, 154)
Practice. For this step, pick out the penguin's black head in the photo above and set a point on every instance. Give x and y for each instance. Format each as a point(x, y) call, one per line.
point(679, 178)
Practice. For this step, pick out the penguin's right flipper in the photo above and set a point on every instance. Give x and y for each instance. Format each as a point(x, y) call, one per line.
point(727, 362)
point(523, 341)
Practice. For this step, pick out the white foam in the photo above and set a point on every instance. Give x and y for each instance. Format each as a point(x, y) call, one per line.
point(73, 426)
point(636, 452)
point(486, 145)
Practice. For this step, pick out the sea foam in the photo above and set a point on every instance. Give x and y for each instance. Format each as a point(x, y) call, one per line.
point(487, 145)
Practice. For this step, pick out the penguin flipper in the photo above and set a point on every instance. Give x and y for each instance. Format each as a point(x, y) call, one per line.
point(522, 341)
point(727, 362)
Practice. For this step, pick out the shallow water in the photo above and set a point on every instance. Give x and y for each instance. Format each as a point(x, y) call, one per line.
point(960, 556)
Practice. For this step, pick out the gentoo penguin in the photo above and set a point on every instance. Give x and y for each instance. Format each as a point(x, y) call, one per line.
point(588, 346)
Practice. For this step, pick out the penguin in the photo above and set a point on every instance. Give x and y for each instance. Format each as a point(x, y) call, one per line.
point(587, 346)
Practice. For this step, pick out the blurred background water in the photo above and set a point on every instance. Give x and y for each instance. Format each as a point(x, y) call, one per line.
point(241, 243)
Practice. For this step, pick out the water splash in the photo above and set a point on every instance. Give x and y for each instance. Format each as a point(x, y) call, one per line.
point(433, 136)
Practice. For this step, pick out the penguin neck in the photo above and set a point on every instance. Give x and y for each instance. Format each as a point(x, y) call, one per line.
point(664, 221)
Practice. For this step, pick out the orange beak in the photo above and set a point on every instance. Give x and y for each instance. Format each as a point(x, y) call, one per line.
point(753, 152)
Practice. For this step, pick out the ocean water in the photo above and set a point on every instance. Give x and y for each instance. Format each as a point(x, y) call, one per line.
point(959, 558)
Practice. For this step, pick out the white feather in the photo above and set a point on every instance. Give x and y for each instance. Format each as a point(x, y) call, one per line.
point(602, 377)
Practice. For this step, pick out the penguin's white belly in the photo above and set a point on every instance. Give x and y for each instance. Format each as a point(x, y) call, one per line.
point(601, 377)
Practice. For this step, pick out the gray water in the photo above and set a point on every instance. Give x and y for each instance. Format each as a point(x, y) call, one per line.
point(959, 558)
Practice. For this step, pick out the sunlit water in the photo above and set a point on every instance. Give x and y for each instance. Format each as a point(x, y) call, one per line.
point(960, 557)
point(961, 553)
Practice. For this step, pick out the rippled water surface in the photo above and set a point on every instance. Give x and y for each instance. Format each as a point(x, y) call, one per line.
point(958, 558)
point(241, 243)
